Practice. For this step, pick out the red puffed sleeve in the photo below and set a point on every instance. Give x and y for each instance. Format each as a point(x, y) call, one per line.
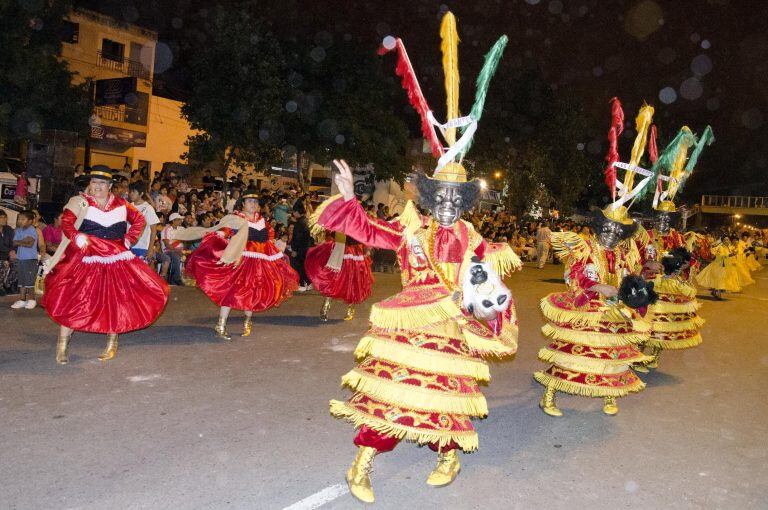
point(581, 283)
point(137, 221)
point(68, 220)
point(349, 217)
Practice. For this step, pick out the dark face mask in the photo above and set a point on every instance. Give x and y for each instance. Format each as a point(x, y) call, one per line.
point(448, 205)
point(663, 223)
point(610, 235)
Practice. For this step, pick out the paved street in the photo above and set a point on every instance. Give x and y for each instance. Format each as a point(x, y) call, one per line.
point(182, 420)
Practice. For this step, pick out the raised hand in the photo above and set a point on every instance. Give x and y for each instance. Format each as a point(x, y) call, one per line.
point(344, 179)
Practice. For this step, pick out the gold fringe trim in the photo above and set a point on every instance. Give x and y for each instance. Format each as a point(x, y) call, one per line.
point(674, 345)
point(467, 441)
point(584, 390)
point(584, 364)
point(504, 260)
point(414, 316)
point(414, 397)
point(674, 287)
point(591, 338)
point(422, 359)
point(583, 318)
point(677, 326)
point(665, 307)
point(410, 218)
point(503, 346)
point(315, 228)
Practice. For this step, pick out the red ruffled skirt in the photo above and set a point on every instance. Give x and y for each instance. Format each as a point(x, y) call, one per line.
point(103, 289)
point(352, 284)
point(256, 284)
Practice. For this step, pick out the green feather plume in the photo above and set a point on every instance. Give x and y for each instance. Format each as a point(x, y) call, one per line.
point(707, 137)
point(667, 158)
point(484, 80)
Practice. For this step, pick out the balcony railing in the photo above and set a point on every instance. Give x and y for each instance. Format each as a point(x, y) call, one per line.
point(123, 65)
point(734, 202)
point(121, 113)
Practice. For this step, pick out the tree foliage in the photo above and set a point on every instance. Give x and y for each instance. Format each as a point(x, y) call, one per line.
point(269, 97)
point(35, 87)
point(236, 84)
point(531, 137)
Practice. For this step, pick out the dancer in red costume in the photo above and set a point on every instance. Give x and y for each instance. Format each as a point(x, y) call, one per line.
point(94, 282)
point(340, 269)
point(238, 265)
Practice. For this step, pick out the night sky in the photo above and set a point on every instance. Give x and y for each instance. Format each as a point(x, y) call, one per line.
point(697, 62)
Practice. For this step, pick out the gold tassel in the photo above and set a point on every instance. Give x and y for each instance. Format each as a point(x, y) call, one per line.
point(662, 307)
point(426, 360)
point(414, 397)
point(467, 441)
point(584, 390)
point(450, 48)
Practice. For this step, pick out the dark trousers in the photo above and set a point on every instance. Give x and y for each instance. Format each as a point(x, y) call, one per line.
point(297, 263)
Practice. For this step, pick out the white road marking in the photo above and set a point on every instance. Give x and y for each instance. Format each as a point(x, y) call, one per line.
point(144, 378)
point(320, 498)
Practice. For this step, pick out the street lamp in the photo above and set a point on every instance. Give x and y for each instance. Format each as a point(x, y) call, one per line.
point(497, 174)
point(483, 184)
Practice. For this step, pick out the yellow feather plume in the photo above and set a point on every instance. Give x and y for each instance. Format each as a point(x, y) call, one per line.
point(642, 125)
point(678, 167)
point(450, 49)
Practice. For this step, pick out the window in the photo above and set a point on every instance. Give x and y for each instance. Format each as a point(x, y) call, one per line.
point(112, 50)
point(136, 110)
point(70, 32)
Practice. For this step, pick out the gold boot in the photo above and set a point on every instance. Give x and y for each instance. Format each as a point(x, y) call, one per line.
point(654, 363)
point(62, 344)
point(324, 310)
point(641, 367)
point(359, 475)
point(111, 349)
point(221, 329)
point(247, 325)
point(547, 402)
point(448, 467)
point(350, 313)
point(610, 407)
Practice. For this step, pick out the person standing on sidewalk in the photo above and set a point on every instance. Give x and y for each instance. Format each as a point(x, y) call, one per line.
point(543, 235)
point(25, 242)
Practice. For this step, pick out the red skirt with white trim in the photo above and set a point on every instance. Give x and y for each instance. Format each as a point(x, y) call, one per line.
point(263, 279)
point(352, 284)
point(103, 289)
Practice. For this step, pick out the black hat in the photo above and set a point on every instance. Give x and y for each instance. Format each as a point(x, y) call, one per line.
point(102, 172)
point(250, 192)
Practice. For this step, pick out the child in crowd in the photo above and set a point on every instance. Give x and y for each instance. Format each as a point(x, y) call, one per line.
point(25, 241)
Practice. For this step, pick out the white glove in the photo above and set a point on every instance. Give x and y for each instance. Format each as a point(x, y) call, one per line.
point(81, 240)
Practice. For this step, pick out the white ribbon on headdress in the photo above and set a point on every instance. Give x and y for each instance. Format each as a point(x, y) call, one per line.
point(626, 195)
point(458, 147)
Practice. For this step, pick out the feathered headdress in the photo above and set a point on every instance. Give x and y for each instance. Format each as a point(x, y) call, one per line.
point(674, 167)
point(626, 192)
point(449, 156)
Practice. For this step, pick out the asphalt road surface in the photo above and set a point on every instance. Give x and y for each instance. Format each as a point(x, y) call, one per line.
point(182, 420)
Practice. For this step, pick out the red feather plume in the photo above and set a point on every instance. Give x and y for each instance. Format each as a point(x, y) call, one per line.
point(653, 149)
point(410, 83)
point(617, 127)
